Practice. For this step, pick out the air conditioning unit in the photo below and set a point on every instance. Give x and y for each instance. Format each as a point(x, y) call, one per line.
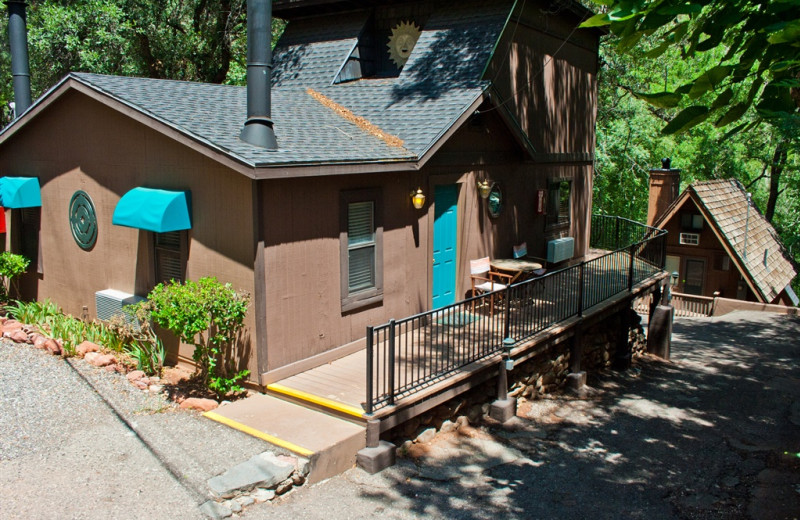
point(111, 302)
point(560, 249)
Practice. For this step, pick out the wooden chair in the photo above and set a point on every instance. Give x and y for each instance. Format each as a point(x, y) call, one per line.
point(521, 251)
point(484, 280)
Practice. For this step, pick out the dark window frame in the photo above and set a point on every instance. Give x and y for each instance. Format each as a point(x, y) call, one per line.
point(29, 242)
point(559, 208)
point(369, 296)
point(179, 252)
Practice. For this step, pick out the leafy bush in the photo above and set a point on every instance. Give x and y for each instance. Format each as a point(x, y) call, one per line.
point(208, 315)
point(139, 338)
point(11, 266)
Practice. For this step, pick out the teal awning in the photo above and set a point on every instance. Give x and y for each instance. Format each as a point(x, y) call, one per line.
point(20, 192)
point(153, 210)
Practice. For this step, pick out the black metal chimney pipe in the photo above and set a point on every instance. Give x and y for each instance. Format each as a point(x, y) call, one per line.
point(258, 129)
point(18, 41)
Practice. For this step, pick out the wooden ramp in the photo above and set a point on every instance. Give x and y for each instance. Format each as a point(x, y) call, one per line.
point(330, 443)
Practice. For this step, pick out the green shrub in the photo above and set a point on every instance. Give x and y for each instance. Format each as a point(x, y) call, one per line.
point(135, 330)
point(208, 315)
point(118, 335)
point(11, 266)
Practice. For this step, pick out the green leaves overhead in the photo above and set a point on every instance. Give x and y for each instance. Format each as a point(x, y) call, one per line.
point(710, 80)
point(757, 43)
point(687, 118)
point(660, 99)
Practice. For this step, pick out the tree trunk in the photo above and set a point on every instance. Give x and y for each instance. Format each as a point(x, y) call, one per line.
point(776, 169)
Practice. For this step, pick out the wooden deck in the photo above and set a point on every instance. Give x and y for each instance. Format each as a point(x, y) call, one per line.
point(431, 351)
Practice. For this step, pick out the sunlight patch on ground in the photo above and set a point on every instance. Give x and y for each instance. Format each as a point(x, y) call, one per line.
point(595, 450)
point(652, 410)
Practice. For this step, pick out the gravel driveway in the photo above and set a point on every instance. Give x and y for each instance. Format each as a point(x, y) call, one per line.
point(711, 434)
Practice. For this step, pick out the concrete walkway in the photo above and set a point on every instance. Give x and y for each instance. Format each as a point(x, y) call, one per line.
point(711, 434)
point(703, 436)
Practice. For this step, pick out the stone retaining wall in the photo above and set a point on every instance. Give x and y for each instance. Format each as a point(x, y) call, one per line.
point(543, 374)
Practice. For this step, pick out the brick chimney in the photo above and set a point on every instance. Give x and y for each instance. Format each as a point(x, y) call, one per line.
point(665, 185)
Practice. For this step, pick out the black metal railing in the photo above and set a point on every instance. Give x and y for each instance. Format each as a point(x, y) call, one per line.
point(405, 356)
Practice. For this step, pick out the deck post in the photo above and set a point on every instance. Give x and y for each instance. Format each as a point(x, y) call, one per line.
point(623, 355)
point(369, 370)
point(631, 258)
point(504, 408)
point(576, 379)
point(655, 300)
point(507, 317)
point(581, 280)
point(390, 368)
point(378, 454)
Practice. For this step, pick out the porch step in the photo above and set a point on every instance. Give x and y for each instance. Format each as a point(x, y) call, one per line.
point(328, 442)
point(328, 405)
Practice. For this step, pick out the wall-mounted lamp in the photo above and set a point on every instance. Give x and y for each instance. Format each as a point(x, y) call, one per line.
point(484, 188)
point(674, 278)
point(418, 198)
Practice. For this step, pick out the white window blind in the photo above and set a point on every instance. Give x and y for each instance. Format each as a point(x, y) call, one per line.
point(360, 245)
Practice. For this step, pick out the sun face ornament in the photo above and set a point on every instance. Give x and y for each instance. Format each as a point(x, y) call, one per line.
point(401, 42)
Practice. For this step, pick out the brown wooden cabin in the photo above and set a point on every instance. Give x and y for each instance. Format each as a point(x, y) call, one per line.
point(710, 226)
point(371, 101)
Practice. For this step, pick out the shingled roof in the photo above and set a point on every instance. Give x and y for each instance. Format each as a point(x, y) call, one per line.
point(724, 204)
point(438, 88)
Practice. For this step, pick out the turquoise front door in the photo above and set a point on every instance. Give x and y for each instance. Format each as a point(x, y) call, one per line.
point(445, 229)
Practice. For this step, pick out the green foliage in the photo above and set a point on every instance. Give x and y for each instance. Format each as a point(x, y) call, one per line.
point(135, 330)
point(193, 40)
point(208, 315)
point(33, 312)
point(11, 266)
point(755, 47)
point(119, 335)
point(664, 79)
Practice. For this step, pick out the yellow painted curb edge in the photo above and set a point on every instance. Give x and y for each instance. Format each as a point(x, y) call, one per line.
point(321, 401)
point(258, 433)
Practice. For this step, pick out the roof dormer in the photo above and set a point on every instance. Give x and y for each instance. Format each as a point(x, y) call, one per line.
point(385, 43)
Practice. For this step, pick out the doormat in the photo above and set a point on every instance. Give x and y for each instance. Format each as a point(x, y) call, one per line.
point(457, 319)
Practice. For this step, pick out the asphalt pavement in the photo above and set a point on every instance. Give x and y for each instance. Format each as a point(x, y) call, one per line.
point(713, 433)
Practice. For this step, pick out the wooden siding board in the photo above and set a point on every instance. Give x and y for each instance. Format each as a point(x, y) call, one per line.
point(79, 143)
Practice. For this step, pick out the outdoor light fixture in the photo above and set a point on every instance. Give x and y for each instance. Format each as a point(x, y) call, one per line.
point(418, 198)
point(483, 189)
point(674, 278)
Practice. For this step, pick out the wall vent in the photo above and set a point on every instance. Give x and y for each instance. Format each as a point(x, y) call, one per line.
point(111, 302)
point(560, 249)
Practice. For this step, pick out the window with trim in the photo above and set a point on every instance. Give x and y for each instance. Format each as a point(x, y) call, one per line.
point(361, 245)
point(691, 222)
point(558, 203)
point(170, 256)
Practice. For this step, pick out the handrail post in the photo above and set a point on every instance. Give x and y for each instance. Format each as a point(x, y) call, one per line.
point(581, 279)
point(630, 268)
point(391, 361)
point(370, 359)
point(616, 233)
point(507, 320)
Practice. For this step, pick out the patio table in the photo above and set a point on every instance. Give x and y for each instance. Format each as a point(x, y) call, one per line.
point(516, 267)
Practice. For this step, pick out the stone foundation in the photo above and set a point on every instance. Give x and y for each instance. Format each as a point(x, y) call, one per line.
point(543, 374)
